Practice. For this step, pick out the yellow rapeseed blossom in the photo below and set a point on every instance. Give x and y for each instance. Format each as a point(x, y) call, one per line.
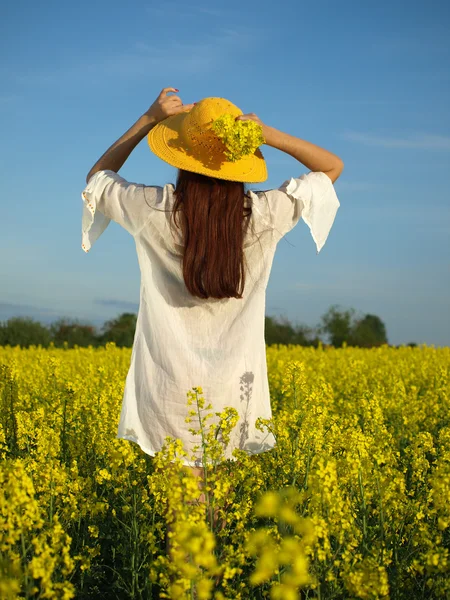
point(240, 137)
point(353, 501)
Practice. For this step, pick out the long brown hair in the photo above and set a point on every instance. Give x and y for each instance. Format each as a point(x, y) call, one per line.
point(213, 225)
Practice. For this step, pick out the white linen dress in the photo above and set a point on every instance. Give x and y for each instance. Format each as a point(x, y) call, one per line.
point(183, 341)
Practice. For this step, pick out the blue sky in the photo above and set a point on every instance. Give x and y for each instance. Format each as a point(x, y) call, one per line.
point(368, 82)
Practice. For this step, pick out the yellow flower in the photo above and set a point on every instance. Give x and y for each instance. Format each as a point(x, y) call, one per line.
point(240, 137)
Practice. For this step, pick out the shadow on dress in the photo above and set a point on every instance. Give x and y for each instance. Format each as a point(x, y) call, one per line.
point(238, 437)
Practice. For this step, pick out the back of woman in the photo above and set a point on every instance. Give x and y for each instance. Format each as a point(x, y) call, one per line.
point(205, 248)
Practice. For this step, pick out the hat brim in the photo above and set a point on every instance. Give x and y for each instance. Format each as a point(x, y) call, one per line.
point(164, 140)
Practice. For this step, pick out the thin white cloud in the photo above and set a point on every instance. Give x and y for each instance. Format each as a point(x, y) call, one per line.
point(306, 287)
point(347, 102)
point(174, 9)
point(356, 186)
point(203, 54)
point(214, 12)
point(182, 10)
point(419, 43)
point(397, 284)
point(425, 216)
point(125, 304)
point(422, 141)
point(310, 287)
point(185, 57)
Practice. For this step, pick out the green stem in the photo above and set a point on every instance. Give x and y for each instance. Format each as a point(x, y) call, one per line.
point(204, 453)
point(295, 395)
point(24, 558)
point(381, 520)
point(63, 433)
point(51, 493)
point(308, 463)
point(361, 490)
point(135, 540)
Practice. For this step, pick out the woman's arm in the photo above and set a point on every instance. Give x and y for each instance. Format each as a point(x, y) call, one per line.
point(118, 153)
point(164, 106)
point(313, 157)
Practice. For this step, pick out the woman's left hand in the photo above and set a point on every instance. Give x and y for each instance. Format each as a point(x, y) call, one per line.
point(165, 106)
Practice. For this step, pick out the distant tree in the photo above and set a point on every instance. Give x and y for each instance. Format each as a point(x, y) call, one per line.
point(306, 336)
point(278, 331)
point(342, 326)
point(71, 332)
point(120, 330)
point(337, 325)
point(24, 332)
point(368, 332)
point(281, 331)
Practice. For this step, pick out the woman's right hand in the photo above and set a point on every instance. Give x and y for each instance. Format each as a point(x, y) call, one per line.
point(266, 131)
point(250, 117)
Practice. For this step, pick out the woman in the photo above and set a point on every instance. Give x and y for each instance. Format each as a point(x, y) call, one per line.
point(205, 250)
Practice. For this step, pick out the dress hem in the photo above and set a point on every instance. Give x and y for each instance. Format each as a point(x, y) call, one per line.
point(186, 463)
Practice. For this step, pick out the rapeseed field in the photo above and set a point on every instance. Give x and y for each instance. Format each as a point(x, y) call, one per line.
point(353, 502)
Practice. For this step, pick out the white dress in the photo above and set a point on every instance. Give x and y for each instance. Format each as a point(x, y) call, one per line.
point(183, 341)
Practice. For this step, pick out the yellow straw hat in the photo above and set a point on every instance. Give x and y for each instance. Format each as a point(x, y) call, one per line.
point(188, 141)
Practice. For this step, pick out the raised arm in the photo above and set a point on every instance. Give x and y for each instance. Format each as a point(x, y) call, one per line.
point(313, 157)
point(163, 107)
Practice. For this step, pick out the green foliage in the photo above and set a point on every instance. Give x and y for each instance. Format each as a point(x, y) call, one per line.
point(68, 334)
point(120, 330)
point(24, 332)
point(280, 331)
point(339, 325)
point(342, 326)
point(368, 332)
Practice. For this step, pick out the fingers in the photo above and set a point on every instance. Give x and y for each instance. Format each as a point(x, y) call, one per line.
point(174, 99)
point(181, 108)
point(171, 105)
point(249, 117)
point(177, 105)
point(167, 89)
point(246, 117)
point(171, 101)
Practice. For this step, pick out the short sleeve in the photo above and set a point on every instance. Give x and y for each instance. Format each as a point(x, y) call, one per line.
point(108, 196)
point(311, 197)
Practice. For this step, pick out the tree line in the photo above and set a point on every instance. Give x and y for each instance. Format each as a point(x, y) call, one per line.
point(337, 325)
